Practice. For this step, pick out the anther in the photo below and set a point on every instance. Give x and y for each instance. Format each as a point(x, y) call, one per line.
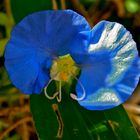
point(73, 96)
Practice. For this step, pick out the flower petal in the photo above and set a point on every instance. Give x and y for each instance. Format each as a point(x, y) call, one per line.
point(82, 42)
point(111, 71)
point(35, 42)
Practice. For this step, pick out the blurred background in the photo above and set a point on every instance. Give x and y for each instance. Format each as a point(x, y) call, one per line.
point(15, 117)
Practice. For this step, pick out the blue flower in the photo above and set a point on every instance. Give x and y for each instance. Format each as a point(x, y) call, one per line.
point(54, 45)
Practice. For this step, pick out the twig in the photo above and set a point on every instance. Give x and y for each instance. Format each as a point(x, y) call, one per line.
point(10, 17)
point(54, 5)
point(63, 4)
point(13, 110)
point(93, 8)
point(102, 14)
point(25, 132)
point(80, 8)
point(24, 120)
point(119, 7)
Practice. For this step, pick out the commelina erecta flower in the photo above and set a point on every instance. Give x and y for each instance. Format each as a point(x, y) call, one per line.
point(56, 45)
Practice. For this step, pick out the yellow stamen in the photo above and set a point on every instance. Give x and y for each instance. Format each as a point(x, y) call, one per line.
point(63, 68)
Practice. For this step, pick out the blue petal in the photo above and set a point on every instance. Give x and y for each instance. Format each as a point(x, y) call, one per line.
point(35, 42)
point(81, 44)
point(111, 71)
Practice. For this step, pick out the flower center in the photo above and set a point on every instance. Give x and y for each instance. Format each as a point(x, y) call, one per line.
point(64, 68)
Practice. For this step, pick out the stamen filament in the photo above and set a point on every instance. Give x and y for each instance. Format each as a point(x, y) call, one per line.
point(46, 94)
point(73, 96)
point(59, 96)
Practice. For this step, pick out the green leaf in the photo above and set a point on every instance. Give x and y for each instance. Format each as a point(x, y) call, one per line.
point(132, 6)
point(4, 23)
point(120, 124)
point(3, 43)
point(78, 122)
point(46, 119)
point(3, 18)
point(21, 8)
